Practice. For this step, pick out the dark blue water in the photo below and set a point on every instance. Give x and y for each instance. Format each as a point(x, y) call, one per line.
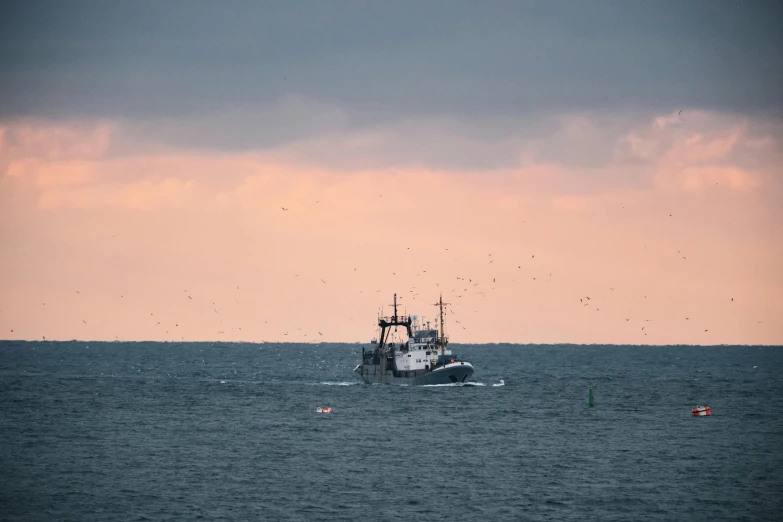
point(148, 431)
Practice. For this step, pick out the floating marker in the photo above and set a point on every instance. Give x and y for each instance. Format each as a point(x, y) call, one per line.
point(590, 398)
point(701, 411)
point(323, 410)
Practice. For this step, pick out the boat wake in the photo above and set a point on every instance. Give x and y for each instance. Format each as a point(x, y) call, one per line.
point(453, 385)
point(501, 383)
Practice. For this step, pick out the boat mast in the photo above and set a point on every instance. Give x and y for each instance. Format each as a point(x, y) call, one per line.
point(440, 303)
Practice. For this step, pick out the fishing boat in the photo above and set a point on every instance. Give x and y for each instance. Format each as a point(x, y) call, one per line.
point(423, 359)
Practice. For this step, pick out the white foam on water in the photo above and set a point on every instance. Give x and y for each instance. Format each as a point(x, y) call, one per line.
point(342, 383)
point(501, 383)
point(222, 382)
point(452, 385)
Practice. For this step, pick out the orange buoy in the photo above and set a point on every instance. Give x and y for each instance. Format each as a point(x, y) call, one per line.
point(701, 411)
point(323, 410)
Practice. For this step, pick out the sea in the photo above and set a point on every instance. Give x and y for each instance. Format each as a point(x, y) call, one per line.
point(228, 431)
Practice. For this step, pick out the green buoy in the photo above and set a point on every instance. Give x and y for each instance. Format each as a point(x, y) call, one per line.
point(590, 398)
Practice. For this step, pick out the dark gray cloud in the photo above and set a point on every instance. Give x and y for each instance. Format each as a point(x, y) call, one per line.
point(386, 60)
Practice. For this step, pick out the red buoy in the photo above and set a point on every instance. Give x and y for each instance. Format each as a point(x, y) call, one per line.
point(701, 411)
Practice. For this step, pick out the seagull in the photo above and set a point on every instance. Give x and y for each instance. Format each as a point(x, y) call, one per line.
point(324, 282)
point(284, 208)
point(679, 112)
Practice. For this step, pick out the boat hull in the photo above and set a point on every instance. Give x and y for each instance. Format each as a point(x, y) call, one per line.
point(458, 372)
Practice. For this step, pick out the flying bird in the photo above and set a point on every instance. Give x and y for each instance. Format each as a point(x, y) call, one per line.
point(284, 208)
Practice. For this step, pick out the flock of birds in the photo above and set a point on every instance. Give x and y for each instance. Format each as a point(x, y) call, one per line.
point(464, 287)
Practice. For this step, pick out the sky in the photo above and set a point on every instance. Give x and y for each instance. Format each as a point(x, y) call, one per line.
point(560, 171)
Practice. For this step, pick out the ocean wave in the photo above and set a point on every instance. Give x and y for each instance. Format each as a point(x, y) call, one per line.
point(341, 383)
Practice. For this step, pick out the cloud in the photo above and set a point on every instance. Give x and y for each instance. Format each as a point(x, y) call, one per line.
point(399, 59)
point(571, 156)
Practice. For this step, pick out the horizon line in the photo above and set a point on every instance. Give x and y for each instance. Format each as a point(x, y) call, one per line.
point(117, 341)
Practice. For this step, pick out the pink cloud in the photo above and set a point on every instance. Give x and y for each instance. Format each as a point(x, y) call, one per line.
point(146, 226)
